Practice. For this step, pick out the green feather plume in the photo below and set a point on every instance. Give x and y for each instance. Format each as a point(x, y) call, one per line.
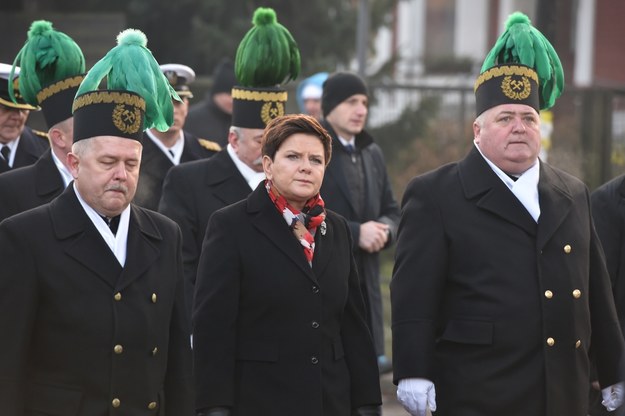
point(524, 44)
point(131, 66)
point(268, 55)
point(47, 56)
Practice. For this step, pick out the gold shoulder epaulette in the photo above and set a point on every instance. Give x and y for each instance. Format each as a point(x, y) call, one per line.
point(41, 134)
point(209, 145)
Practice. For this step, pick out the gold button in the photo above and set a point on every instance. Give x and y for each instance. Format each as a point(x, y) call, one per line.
point(567, 249)
point(551, 342)
point(118, 349)
point(118, 296)
point(154, 351)
point(116, 402)
point(152, 405)
point(578, 343)
point(577, 293)
point(548, 294)
point(153, 297)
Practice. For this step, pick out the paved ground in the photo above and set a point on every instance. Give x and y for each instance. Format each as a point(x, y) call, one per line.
point(390, 406)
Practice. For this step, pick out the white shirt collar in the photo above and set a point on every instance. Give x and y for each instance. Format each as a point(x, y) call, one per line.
point(66, 175)
point(252, 177)
point(346, 142)
point(116, 242)
point(525, 188)
point(177, 148)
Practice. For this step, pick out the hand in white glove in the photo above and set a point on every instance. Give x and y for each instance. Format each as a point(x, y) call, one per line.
point(613, 396)
point(416, 394)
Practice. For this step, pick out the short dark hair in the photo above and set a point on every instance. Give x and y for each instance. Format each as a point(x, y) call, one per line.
point(281, 128)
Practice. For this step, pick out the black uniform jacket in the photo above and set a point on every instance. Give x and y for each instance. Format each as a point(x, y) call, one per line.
point(85, 336)
point(155, 164)
point(273, 336)
point(191, 193)
point(608, 204)
point(497, 310)
point(30, 147)
point(30, 186)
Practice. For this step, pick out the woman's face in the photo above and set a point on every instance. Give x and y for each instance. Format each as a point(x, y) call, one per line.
point(297, 168)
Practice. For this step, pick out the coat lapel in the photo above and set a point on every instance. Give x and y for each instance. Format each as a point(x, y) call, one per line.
point(267, 219)
point(48, 180)
point(555, 203)
point(479, 181)
point(141, 251)
point(226, 182)
point(323, 248)
point(80, 238)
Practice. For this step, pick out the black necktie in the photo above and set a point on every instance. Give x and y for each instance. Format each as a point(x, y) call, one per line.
point(113, 223)
point(351, 151)
point(6, 152)
point(171, 152)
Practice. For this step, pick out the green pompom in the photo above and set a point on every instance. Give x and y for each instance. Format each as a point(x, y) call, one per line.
point(47, 56)
point(267, 55)
point(130, 66)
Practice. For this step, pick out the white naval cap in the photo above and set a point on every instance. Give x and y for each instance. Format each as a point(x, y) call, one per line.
point(179, 76)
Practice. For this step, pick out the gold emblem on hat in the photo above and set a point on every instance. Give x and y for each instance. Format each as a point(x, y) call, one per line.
point(516, 89)
point(271, 110)
point(127, 120)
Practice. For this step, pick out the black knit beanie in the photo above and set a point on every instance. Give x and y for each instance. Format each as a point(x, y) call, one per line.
point(339, 87)
point(223, 77)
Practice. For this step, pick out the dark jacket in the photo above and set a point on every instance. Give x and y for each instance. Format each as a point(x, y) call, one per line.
point(497, 310)
point(191, 193)
point(30, 147)
point(205, 119)
point(155, 164)
point(608, 205)
point(380, 205)
point(83, 330)
point(273, 336)
point(30, 186)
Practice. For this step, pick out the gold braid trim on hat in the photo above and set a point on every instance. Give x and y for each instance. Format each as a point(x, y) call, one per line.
point(97, 97)
point(57, 87)
point(241, 94)
point(499, 71)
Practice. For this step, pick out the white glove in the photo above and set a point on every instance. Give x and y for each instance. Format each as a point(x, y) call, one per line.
point(613, 396)
point(416, 394)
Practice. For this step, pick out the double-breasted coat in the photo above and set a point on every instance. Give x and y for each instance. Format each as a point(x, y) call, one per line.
point(31, 146)
point(30, 186)
point(273, 336)
point(499, 311)
point(84, 336)
point(380, 205)
point(155, 164)
point(191, 193)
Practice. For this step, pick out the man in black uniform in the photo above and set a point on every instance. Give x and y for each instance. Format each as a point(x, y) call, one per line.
point(162, 150)
point(19, 144)
point(90, 285)
point(30, 186)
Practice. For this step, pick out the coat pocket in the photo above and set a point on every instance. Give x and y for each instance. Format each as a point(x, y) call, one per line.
point(53, 399)
point(468, 332)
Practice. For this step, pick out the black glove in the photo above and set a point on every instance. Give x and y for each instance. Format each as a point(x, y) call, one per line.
point(214, 411)
point(367, 411)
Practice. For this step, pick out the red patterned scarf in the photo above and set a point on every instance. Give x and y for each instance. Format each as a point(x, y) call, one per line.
point(303, 224)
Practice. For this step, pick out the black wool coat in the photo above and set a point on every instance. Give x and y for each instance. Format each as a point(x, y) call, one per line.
point(86, 336)
point(191, 193)
point(273, 336)
point(30, 186)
